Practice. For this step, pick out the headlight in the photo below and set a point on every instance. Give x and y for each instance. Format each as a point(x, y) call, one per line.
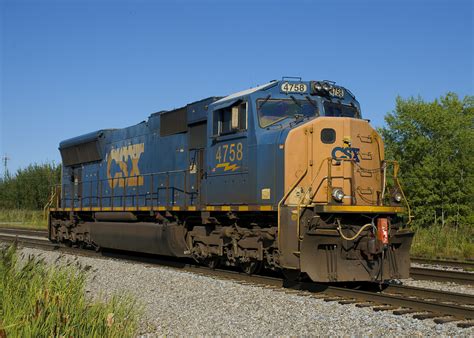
point(397, 197)
point(318, 86)
point(326, 86)
point(338, 194)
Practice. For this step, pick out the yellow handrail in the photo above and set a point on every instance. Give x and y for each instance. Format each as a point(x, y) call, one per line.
point(300, 203)
point(396, 167)
point(52, 197)
point(288, 194)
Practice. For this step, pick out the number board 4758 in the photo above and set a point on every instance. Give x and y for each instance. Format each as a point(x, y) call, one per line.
point(289, 87)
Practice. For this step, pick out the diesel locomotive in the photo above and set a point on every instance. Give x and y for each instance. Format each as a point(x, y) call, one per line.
point(285, 176)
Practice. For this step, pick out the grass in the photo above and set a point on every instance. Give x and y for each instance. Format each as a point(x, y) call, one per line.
point(37, 300)
point(23, 219)
point(444, 243)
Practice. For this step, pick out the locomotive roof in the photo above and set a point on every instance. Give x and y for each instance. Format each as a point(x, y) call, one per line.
point(244, 92)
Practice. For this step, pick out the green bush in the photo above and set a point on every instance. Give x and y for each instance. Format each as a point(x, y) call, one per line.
point(37, 300)
point(29, 188)
point(444, 242)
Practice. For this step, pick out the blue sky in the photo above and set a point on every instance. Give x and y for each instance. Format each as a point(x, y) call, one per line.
point(69, 67)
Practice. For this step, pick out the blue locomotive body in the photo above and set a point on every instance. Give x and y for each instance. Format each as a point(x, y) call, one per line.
point(188, 157)
point(282, 176)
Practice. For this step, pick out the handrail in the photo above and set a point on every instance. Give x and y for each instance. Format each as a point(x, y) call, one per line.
point(396, 167)
point(288, 194)
point(329, 177)
point(52, 197)
point(299, 205)
point(121, 182)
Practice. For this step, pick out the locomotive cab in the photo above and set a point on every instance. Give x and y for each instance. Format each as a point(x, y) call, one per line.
point(314, 159)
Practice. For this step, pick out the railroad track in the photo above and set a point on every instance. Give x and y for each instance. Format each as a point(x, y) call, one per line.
point(24, 232)
point(440, 306)
point(459, 277)
point(466, 265)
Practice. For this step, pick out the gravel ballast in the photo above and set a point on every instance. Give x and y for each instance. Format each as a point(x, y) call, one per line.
point(182, 303)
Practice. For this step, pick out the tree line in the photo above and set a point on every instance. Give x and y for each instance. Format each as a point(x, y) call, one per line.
point(29, 188)
point(434, 144)
point(432, 141)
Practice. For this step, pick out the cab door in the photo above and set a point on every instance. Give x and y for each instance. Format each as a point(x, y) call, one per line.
point(197, 146)
point(227, 159)
point(76, 179)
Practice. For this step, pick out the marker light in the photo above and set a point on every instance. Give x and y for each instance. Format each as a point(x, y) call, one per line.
point(397, 197)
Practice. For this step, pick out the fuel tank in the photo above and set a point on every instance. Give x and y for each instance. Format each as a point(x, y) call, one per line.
point(144, 237)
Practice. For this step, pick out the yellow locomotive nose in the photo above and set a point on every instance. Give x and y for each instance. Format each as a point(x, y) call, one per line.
point(333, 224)
point(334, 160)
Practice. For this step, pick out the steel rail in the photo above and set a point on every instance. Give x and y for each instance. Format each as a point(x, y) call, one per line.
point(30, 241)
point(24, 231)
point(439, 309)
point(459, 277)
point(444, 296)
point(467, 265)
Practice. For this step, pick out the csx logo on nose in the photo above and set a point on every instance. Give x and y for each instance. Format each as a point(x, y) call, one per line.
point(350, 153)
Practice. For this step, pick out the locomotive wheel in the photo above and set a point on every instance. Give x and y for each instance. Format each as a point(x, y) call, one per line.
point(291, 275)
point(212, 262)
point(251, 267)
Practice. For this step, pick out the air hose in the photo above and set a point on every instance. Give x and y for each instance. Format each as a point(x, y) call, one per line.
point(356, 235)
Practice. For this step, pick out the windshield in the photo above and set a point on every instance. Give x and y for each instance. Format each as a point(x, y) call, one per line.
point(339, 110)
point(271, 111)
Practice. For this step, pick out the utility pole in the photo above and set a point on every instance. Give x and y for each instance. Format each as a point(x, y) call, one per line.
point(5, 160)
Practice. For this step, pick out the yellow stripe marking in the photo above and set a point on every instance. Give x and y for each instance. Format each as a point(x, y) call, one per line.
point(321, 208)
point(359, 208)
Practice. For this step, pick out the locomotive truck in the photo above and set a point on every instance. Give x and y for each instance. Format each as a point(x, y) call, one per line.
point(285, 176)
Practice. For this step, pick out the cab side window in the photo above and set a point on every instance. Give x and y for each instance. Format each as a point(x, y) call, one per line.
point(230, 120)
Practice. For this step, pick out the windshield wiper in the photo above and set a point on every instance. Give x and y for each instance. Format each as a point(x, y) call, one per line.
point(276, 121)
point(296, 101)
point(313, 103)
point(264, 101)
